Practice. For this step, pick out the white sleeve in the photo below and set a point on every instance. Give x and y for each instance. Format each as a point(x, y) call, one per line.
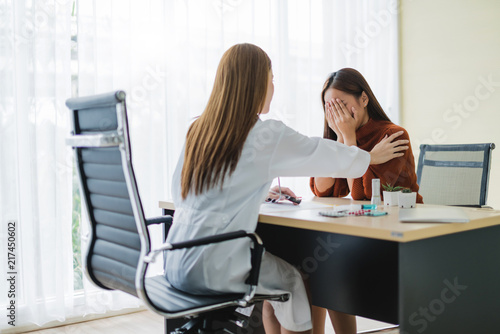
point(299, 155)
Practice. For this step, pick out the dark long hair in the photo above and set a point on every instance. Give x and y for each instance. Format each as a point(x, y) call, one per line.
point(215, 140)
point(351, 82)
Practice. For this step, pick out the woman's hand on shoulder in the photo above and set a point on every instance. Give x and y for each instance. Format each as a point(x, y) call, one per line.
point(389, 148)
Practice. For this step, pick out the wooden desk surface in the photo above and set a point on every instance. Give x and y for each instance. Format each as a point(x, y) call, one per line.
point(387, 227)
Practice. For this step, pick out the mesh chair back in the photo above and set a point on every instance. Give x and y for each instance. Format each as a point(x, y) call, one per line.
point(454, 174)
point(115, 244)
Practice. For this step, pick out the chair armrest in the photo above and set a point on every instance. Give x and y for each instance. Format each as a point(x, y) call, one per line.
point(208, 240)
point(256, 252)
point(166, 221)
point(159, 220)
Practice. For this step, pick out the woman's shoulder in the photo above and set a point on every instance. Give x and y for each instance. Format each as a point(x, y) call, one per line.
point(270, 123)
point(389, 128)
point(267, 131)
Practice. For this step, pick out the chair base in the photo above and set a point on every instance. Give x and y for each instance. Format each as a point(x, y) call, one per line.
point(220, 321)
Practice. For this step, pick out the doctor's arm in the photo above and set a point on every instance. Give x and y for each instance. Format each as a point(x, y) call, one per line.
point(298, 155)
point(387, 149)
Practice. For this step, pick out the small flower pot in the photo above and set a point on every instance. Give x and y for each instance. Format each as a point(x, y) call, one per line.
point(391, 198)
point(407, 200)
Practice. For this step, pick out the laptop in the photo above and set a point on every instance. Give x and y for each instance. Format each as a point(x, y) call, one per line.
point(444, 214)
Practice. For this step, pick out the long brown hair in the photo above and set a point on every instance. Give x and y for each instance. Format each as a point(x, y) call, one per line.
point(215, 140)
point(351, 82)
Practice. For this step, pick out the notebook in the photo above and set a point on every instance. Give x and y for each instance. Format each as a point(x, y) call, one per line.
point(443, 214)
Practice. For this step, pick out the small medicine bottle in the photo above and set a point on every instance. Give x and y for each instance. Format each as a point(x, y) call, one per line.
point(376, 192)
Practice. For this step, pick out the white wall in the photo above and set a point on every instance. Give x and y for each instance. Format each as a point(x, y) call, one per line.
point(450, 75)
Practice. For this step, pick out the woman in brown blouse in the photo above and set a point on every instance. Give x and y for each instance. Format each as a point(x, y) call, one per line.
point(353, 116)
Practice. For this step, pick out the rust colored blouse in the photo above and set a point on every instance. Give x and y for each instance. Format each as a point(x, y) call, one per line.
point(398, 171)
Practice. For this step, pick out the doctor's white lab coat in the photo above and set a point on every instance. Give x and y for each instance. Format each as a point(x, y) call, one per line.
point(271, 150)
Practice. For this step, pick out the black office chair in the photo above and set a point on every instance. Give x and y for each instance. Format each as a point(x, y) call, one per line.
point(120, 250)
point(454, 174)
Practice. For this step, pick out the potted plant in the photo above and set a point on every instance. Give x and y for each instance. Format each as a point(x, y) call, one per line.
point(407, 199)
point(391, 194)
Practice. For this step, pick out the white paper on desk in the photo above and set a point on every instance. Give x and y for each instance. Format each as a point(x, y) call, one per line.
point(289, 206)
point(445, 214)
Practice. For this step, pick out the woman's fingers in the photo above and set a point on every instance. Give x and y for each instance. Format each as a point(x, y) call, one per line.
point(401, 142)
point(329, 110)
point(342, 108)
point(329, 117)
point(397, 145)
point(389, 148)
point(339, 112)
point(400, 148)
point(390, 139)
point(274, 189)
point(345, 121)
point(274, 194)
point(333, 116)
point(395, 135)
point(334, 109)
point(288, 191)
point(332, 120)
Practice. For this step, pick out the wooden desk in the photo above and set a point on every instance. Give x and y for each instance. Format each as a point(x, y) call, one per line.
point(428, 278)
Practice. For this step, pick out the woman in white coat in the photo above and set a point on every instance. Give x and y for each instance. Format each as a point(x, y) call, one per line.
point(229, 161)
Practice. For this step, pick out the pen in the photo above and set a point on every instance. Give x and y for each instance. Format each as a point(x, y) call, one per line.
point(288, 197)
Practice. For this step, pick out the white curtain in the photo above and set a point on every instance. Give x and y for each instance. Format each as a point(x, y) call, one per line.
point(120, 47)
point(306, 41)
point(35, 164)
point(164, 54)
